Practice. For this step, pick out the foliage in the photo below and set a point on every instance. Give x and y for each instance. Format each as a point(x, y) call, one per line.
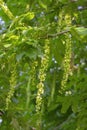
point(43, 65)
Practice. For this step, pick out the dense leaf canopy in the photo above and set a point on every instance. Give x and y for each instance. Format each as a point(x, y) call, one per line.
point(43, 65)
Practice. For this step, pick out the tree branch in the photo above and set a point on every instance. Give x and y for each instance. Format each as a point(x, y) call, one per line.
point(54, 35)
point(57, 34)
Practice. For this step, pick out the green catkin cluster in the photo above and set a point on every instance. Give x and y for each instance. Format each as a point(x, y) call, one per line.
point(13, 82)
point(68, 54)
point(42, 76)
point(6, 10)
point(33, 72)
point(66, 62)
point(31, 81)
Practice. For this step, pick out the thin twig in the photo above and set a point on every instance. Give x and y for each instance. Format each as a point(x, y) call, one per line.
point(57, 34)
point(54, 35)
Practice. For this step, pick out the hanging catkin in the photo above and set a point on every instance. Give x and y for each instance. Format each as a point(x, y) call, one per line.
point(42, 76)
point(31, 81)
point(66, 62)
point(68, 54)
point(13, 82)
point(6, 9)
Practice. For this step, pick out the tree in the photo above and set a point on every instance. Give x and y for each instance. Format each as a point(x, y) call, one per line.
point(43, 65)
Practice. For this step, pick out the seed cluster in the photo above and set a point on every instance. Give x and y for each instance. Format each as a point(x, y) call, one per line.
point(42, 75)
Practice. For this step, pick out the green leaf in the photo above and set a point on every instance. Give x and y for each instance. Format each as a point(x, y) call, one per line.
point(79, 33)
point(13, 37)
point(65, 101)
point(66, 104)
point(7, 45)
point(42, 4)
point(29, 16)
point(75, 103)
point(19, 56)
